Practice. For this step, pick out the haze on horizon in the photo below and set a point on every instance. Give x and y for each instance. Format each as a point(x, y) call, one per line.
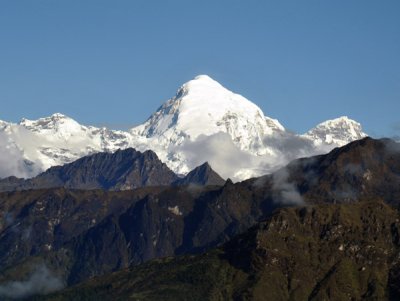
point(114, 63)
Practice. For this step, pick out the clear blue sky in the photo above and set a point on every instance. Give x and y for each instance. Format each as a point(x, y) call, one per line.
point(114, 62)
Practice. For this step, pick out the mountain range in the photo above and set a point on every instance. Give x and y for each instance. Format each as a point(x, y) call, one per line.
point(203, 122)
point(345, 221)
point(126, 169)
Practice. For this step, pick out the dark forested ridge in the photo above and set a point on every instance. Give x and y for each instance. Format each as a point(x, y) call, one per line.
point(320, 252)
point(123, 170)
point(80, 234)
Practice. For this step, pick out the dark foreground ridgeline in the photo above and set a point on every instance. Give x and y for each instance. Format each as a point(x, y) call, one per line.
point(123, 170)
point(321, 252)
point(339, 239)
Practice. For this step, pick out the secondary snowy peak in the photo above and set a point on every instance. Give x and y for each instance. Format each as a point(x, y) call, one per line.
point(203, 106)
point(53, 140)
point(338, 131)
point(61, 128)
point(56, 124)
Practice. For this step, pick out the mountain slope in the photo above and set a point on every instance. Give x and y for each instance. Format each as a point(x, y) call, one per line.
point(202, 175)
point(123, 170)
point(355, 171)
point(325, 252)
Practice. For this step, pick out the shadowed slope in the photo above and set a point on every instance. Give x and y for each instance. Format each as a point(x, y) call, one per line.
point(122, 170)
point(202, 175)
point(324, 252)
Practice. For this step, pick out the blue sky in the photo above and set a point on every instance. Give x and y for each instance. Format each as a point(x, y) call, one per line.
point(114, 62)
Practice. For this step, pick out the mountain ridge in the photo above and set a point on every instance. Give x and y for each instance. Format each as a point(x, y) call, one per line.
point(202, 175)
point(203, 113)
point(122, 170)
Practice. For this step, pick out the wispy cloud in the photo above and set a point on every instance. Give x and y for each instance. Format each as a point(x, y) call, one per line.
point(285, 192)
point(231, 162)
point(41, 281)
point(290, 145)
point(224, 157)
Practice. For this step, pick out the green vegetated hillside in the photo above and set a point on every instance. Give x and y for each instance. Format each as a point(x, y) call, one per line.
point(320, 252)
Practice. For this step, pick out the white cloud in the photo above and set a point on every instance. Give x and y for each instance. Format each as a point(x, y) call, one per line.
point(224, 157)
point(41, 282)
point(12, 159)
point(285, 192)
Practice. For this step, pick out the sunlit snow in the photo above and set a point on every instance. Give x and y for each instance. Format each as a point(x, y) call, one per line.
point(203, 122)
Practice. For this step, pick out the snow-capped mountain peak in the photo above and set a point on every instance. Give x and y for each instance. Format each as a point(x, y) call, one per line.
point(203, 80)
point(337, 131)
point(203, 106)
point(54, 124)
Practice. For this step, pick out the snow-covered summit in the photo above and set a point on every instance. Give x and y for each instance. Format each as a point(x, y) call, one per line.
point(203, 106)
point(56, 124)
point(338, 131)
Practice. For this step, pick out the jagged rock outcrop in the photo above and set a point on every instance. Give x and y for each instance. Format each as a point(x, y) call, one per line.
point(202, 175)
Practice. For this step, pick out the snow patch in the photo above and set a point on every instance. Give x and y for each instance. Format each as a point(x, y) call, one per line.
point(175, 210)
